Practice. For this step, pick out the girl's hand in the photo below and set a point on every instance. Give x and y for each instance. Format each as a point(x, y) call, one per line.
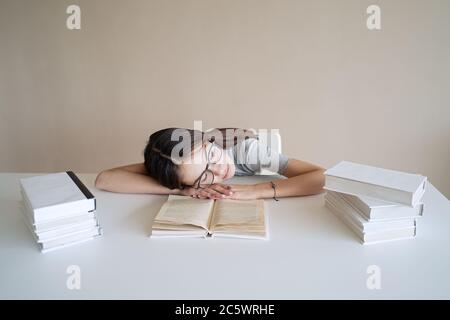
point(215, 191)
point(188, 191)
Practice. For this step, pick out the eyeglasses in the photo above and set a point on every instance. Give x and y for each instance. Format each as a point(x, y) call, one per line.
point(213, 156)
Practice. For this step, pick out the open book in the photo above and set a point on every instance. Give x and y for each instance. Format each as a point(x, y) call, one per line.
point(183, 216)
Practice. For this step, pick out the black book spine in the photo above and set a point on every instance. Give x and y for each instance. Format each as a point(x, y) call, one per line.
point(81, 186)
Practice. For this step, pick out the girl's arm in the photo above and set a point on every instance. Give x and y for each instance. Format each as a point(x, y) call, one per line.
point(132, 178)
point(303, 179)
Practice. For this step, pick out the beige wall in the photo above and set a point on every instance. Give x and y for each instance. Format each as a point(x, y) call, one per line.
point(86, 100)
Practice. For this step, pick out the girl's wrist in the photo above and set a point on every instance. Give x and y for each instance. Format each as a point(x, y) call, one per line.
point(263, 190)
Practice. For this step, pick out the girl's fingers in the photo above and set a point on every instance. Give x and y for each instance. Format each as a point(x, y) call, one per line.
point(221, 193)
point(222, 188)
point(205, 193)
point(213, 193)
point(200, 195)
point(192, 191)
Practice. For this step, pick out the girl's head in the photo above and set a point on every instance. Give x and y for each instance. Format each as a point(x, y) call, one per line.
point(207, 160)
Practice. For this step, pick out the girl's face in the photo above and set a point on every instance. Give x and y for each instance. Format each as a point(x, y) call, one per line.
point(220, 165)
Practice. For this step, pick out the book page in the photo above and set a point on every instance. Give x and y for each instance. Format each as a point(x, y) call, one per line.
point(184, 210)
point(238, 212)
point(172, 227)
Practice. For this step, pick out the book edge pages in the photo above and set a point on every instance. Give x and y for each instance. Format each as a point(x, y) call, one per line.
point(352, 184)
point(357, 231)
point(412, 193)
point(424, 178)
point(70, 244)
point(363, 219)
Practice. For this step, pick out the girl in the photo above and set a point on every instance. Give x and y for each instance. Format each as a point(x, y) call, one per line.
point(216, 161)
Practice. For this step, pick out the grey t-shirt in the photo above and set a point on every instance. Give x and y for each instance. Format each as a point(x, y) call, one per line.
point(252, 155)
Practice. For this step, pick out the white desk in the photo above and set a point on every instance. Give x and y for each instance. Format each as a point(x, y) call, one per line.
point(311, 254)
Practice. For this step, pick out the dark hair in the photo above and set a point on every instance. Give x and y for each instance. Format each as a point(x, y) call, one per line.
point(157, 153)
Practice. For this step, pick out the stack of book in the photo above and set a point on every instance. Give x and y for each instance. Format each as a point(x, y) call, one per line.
point(59, 210)
point(377, 204)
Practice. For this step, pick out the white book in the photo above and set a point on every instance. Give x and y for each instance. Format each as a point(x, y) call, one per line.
point(73, 239)
point(56, 195)
point(63, 241)
point(389, 185)
point(372, 237)
point(390, 235)
point(182, 216)
point(62, 230)
point(64, 221)
point(362, 223)
point(67, 237)
point(378, 210)
point(70, 244)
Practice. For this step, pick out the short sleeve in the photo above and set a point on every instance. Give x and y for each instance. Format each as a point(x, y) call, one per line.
point(252, 155)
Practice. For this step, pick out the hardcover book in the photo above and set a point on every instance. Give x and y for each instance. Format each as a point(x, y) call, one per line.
point(389, 185)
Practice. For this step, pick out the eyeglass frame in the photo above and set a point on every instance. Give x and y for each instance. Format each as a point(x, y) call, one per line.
point(199, 179)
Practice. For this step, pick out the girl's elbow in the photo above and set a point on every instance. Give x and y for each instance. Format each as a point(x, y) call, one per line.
point(321, 169)
point(101, 180)
point(320, 180)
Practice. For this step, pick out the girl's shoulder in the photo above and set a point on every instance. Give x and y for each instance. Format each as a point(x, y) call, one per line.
point(252, 155)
